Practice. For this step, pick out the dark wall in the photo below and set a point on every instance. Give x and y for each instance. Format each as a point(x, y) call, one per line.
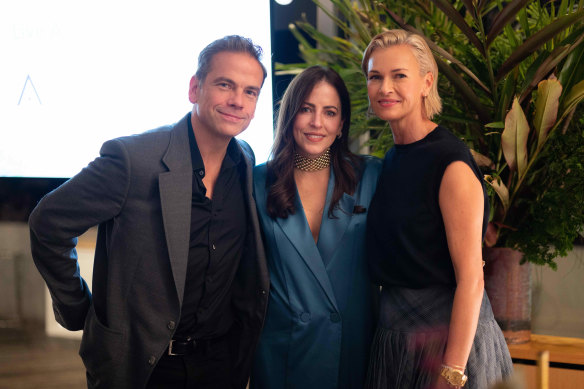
point(19, 195)
point(284, 45)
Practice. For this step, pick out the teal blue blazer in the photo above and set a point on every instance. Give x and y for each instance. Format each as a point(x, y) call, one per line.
point(320, 317)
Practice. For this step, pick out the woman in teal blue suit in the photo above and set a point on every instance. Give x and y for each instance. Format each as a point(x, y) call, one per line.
point(312, 198)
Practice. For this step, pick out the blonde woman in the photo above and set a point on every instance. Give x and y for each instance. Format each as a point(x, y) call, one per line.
point(425, 227)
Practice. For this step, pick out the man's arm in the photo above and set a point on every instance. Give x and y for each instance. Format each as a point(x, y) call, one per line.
point(94, 195)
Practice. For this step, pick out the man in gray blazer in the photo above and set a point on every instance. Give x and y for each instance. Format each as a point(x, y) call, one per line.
point(180, 282)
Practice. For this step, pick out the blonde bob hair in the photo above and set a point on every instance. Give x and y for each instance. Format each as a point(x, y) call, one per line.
point(423, 55)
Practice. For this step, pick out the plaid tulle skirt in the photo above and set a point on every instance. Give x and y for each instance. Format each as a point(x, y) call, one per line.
point(411, 336)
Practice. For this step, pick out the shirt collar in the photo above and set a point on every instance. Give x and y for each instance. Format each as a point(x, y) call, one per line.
point(232, 156)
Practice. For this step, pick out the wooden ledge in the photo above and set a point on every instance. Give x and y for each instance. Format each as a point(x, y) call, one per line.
point(562, 350)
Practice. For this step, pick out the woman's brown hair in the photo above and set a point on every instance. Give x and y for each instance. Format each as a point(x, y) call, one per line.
point(346, 166)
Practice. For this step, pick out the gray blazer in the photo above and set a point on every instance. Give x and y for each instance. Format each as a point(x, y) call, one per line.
point(139, 194)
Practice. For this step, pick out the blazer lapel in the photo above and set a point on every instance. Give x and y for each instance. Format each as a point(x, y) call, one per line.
point(333, 230)
point(175, 197)
point(296, 228)
point(249, 159)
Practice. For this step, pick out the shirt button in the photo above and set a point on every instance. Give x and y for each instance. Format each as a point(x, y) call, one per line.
point(213, 246)
point(171, 324)
point(152, 360)
point(201, 173)
point(305, 316)
point(335, 318)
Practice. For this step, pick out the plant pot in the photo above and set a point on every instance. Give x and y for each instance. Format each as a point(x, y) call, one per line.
point(508, 285)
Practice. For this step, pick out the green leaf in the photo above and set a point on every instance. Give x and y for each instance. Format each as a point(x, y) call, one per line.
point(481, 5)
point(550, 62)
point(298, 35)
point(545, 68)
point(466, 91)
point(504, 17)
point(495, 125)
point(500, 189)
point(514, 139)
point(459, 21)
point(572, 71)
point(546, 108)
point(507, 93)
point(563, 7)
point(398, 19)
point(524, 22)
point(574, 97)
point(445, 54)
point(531, 44)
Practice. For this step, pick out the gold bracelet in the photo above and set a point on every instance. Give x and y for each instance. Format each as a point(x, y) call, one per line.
point(455, 377)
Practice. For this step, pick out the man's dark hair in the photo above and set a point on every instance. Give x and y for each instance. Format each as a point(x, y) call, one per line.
point(230, 43)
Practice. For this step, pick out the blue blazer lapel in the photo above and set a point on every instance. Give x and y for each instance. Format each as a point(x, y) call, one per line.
point(296, 229)
point(333, 230)
point(175, 198)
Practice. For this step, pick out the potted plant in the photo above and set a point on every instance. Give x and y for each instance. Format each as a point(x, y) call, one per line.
point(512, 79)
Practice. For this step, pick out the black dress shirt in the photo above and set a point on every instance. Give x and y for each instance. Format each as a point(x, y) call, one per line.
point(218, 231)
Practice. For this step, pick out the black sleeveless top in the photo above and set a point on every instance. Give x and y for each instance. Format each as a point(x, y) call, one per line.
point(406, 238)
